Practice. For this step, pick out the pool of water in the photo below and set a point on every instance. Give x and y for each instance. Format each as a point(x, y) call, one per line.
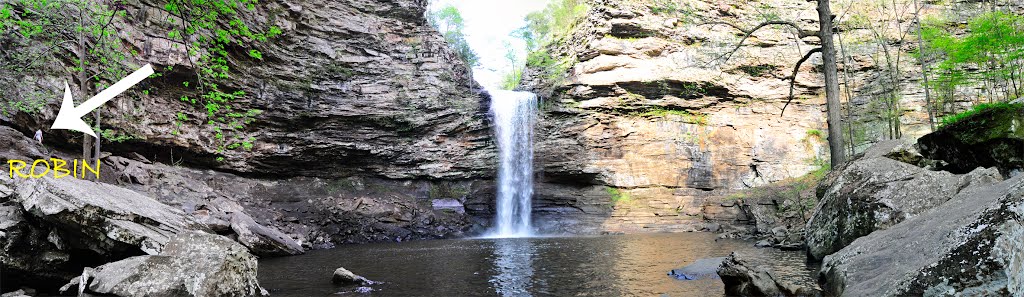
point(614, 265)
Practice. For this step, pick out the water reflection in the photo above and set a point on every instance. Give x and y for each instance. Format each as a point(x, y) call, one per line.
point(513, 263)
point(627, 265)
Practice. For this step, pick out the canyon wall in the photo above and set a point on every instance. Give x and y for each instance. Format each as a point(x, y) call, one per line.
point(655, 124)
point(349, 87)
point(371, 129)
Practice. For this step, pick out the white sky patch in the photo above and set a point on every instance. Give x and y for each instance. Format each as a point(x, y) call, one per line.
point(489, 25)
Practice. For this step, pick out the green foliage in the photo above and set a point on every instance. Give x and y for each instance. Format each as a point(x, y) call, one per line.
point(512, 79)
point(757, 70)
point(33, 32)
point(990, 54)
point(555, 22)
point(450, 23)
point(211, 29)
point(955, 118)
point(546, 27)
point(118, 137)
point(662, 112)
point(617, 195)
point(815, 133)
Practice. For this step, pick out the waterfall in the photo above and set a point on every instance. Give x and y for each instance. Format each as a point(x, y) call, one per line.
point(514, 117)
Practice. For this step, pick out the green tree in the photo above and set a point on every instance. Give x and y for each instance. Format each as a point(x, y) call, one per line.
point(35, 30)
point(990, 55)
point(448, 20)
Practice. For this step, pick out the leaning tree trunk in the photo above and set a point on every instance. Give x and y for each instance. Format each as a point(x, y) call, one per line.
point(833, 104)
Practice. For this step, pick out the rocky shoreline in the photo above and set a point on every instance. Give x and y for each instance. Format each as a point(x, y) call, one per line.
point(892, 223)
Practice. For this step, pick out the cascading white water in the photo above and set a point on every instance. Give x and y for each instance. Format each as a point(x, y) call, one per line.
point(514, 117)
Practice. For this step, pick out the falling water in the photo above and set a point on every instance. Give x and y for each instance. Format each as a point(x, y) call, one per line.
point(514, 116)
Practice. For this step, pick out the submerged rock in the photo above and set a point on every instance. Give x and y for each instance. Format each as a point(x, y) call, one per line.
point(700, 269)
point(745, 278)
point(344, 277)
point(192, 264)
point(973, 245)
point(875, 193)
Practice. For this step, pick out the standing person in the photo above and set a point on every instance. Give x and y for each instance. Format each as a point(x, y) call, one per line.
point(39, 136)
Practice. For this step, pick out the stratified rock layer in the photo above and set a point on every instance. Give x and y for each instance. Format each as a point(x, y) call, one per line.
point(349, 87)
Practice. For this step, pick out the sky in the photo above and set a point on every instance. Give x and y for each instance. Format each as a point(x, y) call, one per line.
point(489, 25)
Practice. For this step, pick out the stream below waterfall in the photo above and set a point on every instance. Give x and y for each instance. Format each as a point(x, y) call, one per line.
point(614, 265)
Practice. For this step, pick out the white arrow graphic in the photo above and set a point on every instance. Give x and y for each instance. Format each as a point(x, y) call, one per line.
point(70, 117)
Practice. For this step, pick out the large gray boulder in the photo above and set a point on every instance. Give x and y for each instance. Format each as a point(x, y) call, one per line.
point(192, 264)
point(50, 228)
point(875, 193)
point(263, 240)
point(744, 277)
point(972, 245)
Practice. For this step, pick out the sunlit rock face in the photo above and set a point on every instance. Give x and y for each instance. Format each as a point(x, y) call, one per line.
point(348, 88)
point(649, 132)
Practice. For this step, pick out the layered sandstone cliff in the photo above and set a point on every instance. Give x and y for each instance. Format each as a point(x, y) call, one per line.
point(651, 129)
point(349, 87)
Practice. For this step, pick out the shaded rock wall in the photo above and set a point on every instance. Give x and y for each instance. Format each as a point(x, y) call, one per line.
point(350, 87)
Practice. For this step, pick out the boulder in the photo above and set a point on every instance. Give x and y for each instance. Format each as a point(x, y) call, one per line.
point(700, 269)
point(54, 227)
point(263, 240)
point(192, 264)
point(23, 292)
point(972, 245)
point(991, 138)
point(344, 277)
point(744, 278)
point(875, 193)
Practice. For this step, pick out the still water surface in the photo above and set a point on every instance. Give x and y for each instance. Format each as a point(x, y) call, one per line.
point(617, 265)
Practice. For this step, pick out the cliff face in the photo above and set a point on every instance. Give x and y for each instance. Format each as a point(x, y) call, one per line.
point(651, 130)
point(372, 129)
point(350, 87)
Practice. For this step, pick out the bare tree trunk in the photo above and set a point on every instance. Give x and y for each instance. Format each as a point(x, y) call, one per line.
point(849, 94)
point(99, 134)
point(924, 68)
point(833, 104)
point(83, 84)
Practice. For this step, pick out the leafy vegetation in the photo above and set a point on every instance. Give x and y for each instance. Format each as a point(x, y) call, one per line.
point(990, 55)
point(617, 195)
point(686, 115)
point(954, 118)
point(544, 28)
point(210, 29)
point(448, 20)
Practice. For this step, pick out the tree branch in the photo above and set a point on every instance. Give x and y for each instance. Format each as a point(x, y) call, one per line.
point(750, 32)
point(792, 79)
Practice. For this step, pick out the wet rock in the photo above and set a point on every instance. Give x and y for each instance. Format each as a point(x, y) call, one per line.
point(875, 193)
point(263, 240)
point(700, 269)
point(991, 138)
point(344, 277)
point(744, 278)
point(971, 245)
point(192, 264)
